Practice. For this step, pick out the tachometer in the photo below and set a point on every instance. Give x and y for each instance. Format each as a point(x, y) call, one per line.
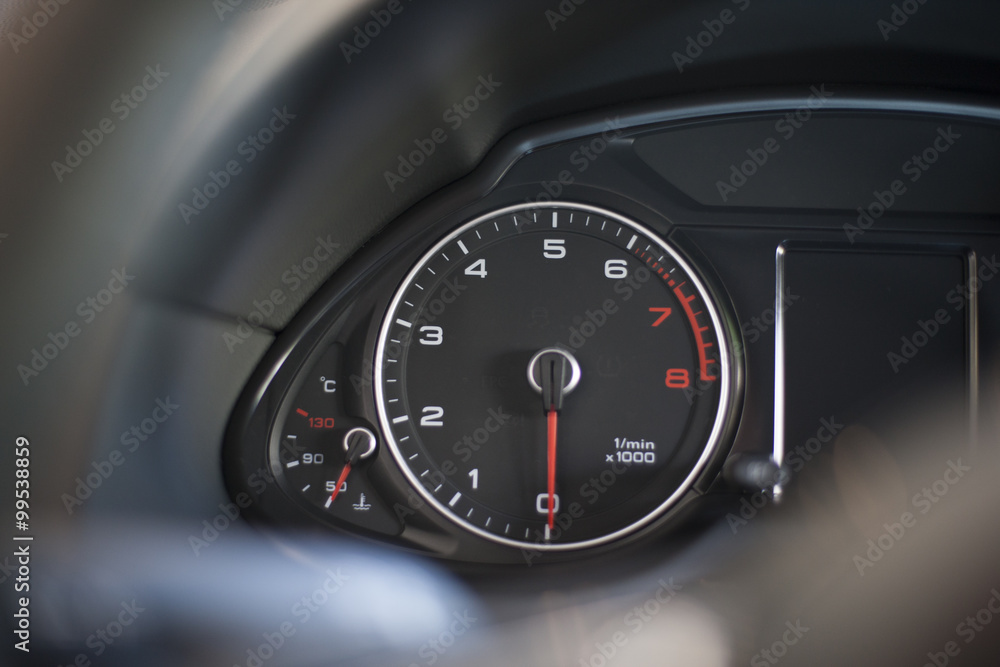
point(553, 376)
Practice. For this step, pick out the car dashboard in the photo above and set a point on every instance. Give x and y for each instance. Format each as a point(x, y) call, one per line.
point(559, 333)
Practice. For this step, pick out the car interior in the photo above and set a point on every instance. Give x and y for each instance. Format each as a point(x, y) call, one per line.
point(538, 332)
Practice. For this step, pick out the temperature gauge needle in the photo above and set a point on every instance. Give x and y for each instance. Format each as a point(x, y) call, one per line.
point(359, 443)
point(340, 482)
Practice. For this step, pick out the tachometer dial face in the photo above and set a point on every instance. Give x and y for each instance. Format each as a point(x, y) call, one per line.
point(552, 376)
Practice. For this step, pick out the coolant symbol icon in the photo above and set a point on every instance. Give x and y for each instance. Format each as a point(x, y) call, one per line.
point(361, 505)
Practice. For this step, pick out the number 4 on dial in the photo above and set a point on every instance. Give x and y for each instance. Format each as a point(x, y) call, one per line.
point(477, 268)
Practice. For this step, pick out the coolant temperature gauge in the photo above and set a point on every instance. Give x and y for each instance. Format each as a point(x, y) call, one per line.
point(320, 454)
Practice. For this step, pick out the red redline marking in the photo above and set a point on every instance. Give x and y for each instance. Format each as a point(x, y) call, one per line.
point(302, 412)
point(702, 346)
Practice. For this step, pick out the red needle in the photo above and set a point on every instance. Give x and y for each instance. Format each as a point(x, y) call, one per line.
point(340, 481)
point(557, 373)
point(553, 422)
point(355, 443)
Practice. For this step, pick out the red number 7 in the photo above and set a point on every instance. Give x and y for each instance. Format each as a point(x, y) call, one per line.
point(665, 311)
